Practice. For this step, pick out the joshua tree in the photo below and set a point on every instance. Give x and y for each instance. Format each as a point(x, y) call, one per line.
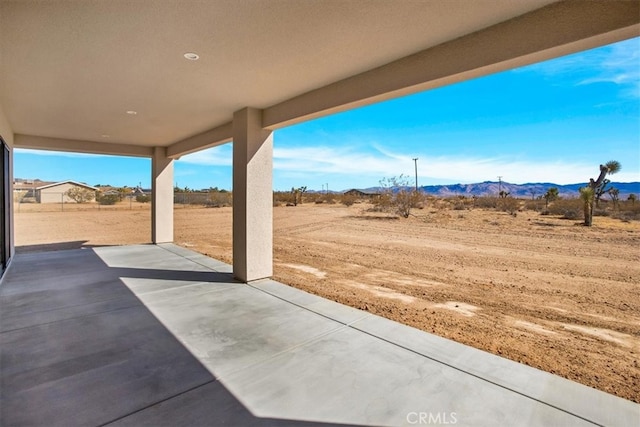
point(533, 193)
point(503, 194)
point(614, 193)
point(596, 188)
point(550, 196)
point(587, 195)
point(297, 194)
point(632, 198)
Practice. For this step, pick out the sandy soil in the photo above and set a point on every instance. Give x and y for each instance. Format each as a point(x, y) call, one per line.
point(535, 289)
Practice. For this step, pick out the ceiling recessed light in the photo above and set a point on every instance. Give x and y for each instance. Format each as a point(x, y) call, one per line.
point(191, 56)
point(132, 113)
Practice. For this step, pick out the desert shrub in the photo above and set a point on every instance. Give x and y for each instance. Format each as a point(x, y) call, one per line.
point(572, 214)
point(459, 206)
point(142, 198)
point(348, 199)
point(487, 202)
point(384, 202)
point(631, 206)
point(460, 203)
point(398, 196)
point(627, 215)
point(600, 212)
point(19, 195)
point(509, 204)
point(313, 198)
point(329, 198)
point(218, 199)
point(282, 198)
point(80, 195)
point(108, 199)
point(560, 206)
point(532, 205)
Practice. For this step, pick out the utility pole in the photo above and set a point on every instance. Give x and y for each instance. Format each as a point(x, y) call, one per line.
point(327, 188)
point(415, 161)
point(499, 185)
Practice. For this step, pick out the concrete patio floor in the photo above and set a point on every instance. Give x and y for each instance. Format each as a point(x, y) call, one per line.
point(160, 335)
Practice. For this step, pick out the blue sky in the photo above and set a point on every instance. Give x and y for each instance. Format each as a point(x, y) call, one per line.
point(550, 122)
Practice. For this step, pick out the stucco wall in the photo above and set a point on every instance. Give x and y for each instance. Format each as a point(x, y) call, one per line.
point(56, 194)
point(7, 135)
point(5, 129)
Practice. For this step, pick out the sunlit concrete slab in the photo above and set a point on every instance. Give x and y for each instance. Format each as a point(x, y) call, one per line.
point(160, 335)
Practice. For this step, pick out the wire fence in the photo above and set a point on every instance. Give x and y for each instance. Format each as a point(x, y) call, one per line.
point(60, 202)
point(213, 199)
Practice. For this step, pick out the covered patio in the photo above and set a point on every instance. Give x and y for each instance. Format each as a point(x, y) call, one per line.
point(160, 335)
point(157, 334)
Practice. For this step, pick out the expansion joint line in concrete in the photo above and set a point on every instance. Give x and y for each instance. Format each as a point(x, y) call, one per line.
point(351, 325)
point(157, 403)
point(194, 261)
point(478, 376)
point(74, 317)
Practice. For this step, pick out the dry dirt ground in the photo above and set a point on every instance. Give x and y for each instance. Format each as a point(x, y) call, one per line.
point(536, 289)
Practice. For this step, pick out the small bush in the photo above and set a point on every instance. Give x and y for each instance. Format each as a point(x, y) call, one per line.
point(282, 198)
point(487, 202)
point(348, 199)
point(108, 199)
point(627, 216)
point(329, 199)
point(509, 204)
point(80, 195)
point(142, 198)
point(572, 214)
point(559, 207)
point(532, 205)
point(219, 199)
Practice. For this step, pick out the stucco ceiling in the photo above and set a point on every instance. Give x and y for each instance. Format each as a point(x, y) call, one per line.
point(72, 69)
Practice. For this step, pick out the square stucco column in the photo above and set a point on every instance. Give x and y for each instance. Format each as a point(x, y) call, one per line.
point(252, 197)
point(161, 196)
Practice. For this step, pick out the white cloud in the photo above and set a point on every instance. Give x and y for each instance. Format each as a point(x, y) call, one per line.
point(56, 153)
point(216, 156)
point(618, 63)
point(381, 162)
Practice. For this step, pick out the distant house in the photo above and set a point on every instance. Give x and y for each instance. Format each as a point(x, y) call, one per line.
point(139, 191)
point(56, 192)
point(24, 190)
point(360, 193)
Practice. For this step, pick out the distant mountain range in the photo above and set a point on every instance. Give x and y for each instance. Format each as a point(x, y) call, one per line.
point(492, 188)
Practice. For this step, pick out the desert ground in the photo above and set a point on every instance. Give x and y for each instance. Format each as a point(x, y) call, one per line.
point(536, 289)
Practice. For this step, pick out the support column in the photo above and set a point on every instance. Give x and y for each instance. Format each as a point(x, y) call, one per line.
point(161, 196)
point(252, 196)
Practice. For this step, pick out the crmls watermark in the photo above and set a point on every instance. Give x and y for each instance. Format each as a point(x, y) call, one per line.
point(432, 418)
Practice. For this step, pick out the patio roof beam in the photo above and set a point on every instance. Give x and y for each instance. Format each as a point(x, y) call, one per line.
point(78, 146)
point(216, 136)
point(555, 30)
